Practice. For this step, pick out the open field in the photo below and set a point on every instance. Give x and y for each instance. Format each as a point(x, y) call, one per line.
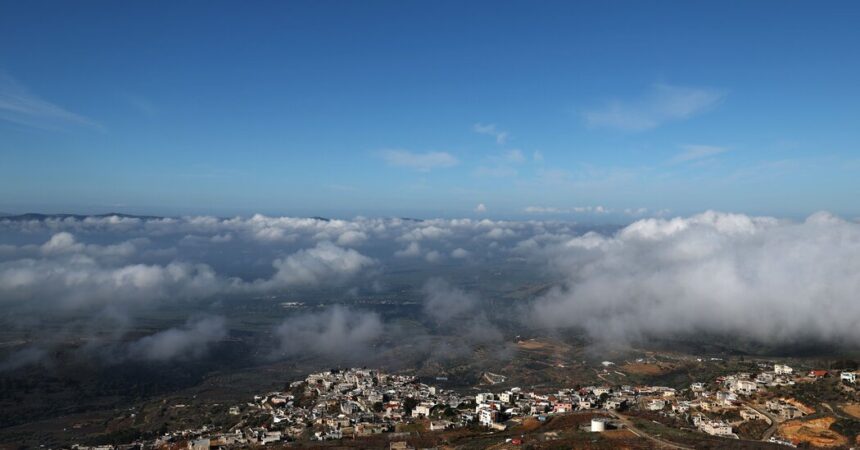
point(647, 368)
point(815, 432)
point(852, 409)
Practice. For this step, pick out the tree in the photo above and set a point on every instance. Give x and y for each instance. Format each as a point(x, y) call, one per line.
point(409, 404)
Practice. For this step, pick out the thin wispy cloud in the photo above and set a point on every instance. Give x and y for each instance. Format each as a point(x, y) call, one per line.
point(18, 105)
point(661, 104)
point(697, 152)
point(423, 162)
point(490, 129)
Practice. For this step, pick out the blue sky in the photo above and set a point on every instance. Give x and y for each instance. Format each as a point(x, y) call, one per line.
point(599, 111)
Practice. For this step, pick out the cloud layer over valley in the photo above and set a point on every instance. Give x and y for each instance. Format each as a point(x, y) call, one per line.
point(760, 278)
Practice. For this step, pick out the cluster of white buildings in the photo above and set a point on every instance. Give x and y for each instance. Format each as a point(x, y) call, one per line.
point(361, 402)
point(736, 392)
point(729, 392)
point(492, 409)
point(357, 402)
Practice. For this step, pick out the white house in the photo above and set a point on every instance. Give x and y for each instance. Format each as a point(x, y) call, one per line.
point(437, 425)
point(487, 417)
point(200, 444)
point(656, 404)
point(764, 378)
point(751, 414)
point(483, 397)
point(598, 391)
point(681, 407)
point(422, 410)
point(614, 403)
point(745, 387)
point(275, 436)
point(782, 369)
point(715, 428)
point(850, 377)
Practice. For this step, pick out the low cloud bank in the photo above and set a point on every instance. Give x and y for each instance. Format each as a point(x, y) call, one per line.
point(68, 277)
point(764, 279)
point(324, 262)
point(78, 280)
point(78, 262)
point(444, 302)
point(189, 341)
point(757, 278)
point(339, 333)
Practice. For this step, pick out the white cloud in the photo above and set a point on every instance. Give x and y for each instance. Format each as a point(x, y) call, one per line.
point(753, 277)
point(413, 249)
point(79, 280)
point(756, 277)
point(70, 274)
point(426, 231)
point(444, 302)
point(481, 208)
point(65, 243)
point(433, 256)
point(460, 253)
point(338, 332)
point(221, 238)
point(499, 233)
point(491, 130)
point(423, 162)
point(457, 309)
point(19, 106)
point(190, 341)
point(325, 262)
point(663, 103)
point(351, 238)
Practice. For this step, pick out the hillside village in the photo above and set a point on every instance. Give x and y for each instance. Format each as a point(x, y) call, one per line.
point(355, 403)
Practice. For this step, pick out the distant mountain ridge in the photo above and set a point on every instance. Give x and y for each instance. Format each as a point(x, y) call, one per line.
point(42, 217)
